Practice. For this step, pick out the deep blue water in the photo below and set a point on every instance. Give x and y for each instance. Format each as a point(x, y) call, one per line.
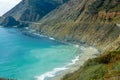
point(23, 57)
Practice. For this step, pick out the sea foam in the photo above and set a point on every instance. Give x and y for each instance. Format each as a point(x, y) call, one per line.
point(51, 38)
point(37, 34)
point(86, 53)
point(53, 73)
point(50, 73)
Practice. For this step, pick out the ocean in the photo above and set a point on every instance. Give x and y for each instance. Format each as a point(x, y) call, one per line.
point(37, 57)
point(25, 57)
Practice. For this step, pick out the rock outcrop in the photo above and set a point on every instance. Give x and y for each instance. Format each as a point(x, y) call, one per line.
point(1, 19)
point(9, 22)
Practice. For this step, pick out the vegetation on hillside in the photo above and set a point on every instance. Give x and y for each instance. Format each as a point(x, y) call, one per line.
point(105, 5)
point(42, 6)
point(36, 9)
point(104, 67)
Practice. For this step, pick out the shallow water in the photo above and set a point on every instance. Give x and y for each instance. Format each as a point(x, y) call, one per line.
point(23, 57)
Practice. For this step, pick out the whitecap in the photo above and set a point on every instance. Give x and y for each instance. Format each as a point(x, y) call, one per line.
point(50, 73)
point(73, 61)
point(76, 45)
point(86, 53)
point(51, 38)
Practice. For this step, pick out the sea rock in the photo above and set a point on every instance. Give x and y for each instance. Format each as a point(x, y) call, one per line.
point(9, 22)
point(1, 19)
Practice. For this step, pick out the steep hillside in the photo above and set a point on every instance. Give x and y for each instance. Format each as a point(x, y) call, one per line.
point(17, 11)
point(104, 67)
point(33, 10)
point(76, 21)
point(96, 22)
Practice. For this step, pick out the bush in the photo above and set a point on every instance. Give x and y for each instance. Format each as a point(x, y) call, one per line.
point(117, 0)
point(93, 8)
point(42, 7)
point(106, 5)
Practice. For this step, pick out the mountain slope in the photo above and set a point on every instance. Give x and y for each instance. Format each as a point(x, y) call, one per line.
point(33, 10)
point(17, 11)
point(104, 67)
point(74, 22)
point(93, 22)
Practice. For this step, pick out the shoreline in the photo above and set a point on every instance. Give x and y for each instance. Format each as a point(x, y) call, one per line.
point(33, 33)
point(72, 66)
point(84, 52)
point(75, 64)
point(83, 57)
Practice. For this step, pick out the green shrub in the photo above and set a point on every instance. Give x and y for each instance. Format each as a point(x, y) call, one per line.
point(42, 7)
point(117, 66)
point(93, 8)
point(106, 5)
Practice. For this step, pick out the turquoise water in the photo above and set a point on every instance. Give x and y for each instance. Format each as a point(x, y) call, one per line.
point(23, 57)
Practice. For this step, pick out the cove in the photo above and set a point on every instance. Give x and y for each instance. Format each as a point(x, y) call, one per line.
point(23, 57)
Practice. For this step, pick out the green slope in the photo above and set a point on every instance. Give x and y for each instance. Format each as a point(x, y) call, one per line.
point(104, 67)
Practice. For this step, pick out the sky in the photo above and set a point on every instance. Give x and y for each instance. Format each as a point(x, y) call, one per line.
point(6, 5)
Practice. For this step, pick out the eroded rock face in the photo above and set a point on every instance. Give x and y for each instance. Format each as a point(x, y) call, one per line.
point(9, 22)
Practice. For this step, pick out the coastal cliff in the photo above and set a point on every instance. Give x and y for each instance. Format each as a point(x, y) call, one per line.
point(76, 21)
point(33, 10)
point(80, 21)
point(95, 22)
